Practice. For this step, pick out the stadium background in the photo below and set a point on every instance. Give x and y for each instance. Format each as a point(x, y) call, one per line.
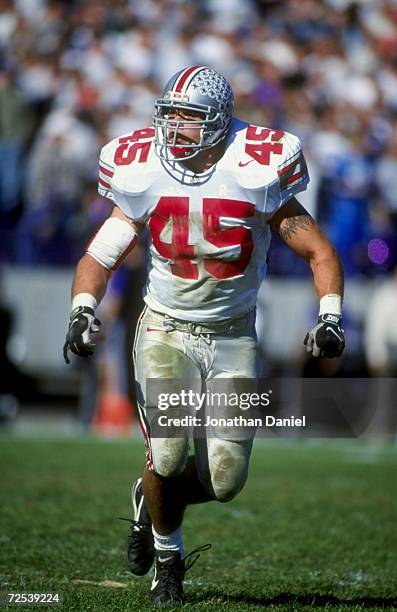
point(315, 525)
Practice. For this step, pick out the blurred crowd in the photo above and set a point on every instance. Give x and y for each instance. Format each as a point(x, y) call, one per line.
point(75, 74)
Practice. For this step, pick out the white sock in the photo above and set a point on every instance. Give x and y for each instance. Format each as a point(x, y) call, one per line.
point(170, 542)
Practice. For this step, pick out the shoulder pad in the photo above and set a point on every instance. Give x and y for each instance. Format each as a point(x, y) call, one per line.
point(254, 154)
point(127, 168)
point(262, 158)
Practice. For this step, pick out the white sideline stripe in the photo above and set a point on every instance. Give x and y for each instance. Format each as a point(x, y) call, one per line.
point(103, 583)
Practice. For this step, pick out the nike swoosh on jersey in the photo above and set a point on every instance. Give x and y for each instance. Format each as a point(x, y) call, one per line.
point(242, 164)
point(153, 329)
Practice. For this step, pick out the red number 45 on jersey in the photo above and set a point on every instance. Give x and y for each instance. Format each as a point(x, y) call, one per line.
point(181, 253)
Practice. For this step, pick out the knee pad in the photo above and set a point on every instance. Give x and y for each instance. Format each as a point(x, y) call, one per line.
point(169, 456)
point(228, 466)
point(225, 489)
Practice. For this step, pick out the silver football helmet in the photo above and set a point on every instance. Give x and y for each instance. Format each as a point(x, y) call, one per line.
point(196, 98)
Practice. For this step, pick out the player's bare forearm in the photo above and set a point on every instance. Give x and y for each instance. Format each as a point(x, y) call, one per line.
point(90, 277)
point(304, 236)
point(327, 271)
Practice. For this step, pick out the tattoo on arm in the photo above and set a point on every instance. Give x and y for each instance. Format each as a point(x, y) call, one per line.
point(291, 225)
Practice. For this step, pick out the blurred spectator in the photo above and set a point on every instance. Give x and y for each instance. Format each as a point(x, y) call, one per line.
point(63, 160)
point(385, 176)
point(380, 341)
point(381, 329)
point(15, 128)
point(15, 385)
point(349, 181)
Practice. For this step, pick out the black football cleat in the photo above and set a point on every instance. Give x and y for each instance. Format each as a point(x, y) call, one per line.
point(169, 572)
point(140, 542)
point(167, 585)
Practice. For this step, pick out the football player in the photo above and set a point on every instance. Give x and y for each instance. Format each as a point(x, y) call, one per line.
point(210, 188)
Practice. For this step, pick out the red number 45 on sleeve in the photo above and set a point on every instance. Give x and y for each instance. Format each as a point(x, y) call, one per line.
point(258, 149)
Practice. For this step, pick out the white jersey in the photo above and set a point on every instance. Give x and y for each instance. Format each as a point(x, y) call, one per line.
point(209, 233)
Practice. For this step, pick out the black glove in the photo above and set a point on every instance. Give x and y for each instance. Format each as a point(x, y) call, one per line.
point(79, 338)
point(326, 339)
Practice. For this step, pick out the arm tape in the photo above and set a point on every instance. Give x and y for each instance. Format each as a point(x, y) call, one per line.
point(112, 243)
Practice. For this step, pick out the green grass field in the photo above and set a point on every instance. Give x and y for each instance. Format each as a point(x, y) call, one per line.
point(314, 529)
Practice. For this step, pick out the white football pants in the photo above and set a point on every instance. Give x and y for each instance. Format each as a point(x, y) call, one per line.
point(202, 358)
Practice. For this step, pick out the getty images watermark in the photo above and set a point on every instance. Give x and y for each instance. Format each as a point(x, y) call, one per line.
point(284, 407)
point(226, 409)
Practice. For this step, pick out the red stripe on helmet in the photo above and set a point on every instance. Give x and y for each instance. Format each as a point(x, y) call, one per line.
point(184, 76)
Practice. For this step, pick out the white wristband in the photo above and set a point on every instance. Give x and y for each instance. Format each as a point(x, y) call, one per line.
point(331, 304)
point(84, 299)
